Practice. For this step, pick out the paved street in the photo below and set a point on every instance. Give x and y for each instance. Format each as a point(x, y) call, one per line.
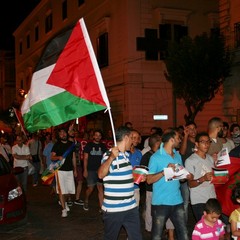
point(44, 220)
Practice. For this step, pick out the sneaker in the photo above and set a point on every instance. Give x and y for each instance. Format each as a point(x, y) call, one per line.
point(69, 203)
point(67, 207)
point(64, 213)
point(79, 202)
point(85, 206)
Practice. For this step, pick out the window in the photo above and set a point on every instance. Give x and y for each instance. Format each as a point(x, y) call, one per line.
point(20, 48)
point(150, 44)
point(28, 41)
point(36, 33)
point(64, 9)
point(173, 26)
point(237, 34)
point(169, 33)
point(102, 50)
point(48, 23)
point(80, 2)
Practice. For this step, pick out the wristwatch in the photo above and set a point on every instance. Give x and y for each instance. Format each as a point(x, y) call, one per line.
point(198, 181)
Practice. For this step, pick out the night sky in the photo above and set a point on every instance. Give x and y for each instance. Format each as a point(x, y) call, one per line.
point(12, 13)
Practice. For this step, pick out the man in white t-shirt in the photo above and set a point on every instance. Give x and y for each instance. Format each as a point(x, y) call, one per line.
point(21, 155)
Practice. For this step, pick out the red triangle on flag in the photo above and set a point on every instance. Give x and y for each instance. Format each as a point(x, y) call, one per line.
point(74, 70)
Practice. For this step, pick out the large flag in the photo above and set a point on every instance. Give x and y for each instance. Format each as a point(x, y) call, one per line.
point(224, 191)
point(67, 83)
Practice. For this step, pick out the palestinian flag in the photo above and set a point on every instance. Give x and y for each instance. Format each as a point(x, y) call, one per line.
point(67, 83)
point(224, 191)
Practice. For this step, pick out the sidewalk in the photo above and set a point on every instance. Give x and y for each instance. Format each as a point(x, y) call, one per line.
point(44, 221)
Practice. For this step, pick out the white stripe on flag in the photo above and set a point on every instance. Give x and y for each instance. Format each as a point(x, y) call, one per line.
point(40, 90)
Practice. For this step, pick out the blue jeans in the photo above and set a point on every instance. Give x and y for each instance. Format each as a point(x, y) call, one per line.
point(186, 196)
point(22, 178)
point(198, 210)
point(176, 213)
point(130, 220)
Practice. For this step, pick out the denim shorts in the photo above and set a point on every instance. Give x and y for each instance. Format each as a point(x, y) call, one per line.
point(92, 178)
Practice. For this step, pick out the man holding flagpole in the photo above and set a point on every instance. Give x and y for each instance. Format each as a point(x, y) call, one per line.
point(119, 204)
point(65, 175)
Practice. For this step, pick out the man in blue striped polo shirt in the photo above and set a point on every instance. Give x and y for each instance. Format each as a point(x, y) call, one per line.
point(119, 204)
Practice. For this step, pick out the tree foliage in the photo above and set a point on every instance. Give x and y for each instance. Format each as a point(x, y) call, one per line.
point(197, 68)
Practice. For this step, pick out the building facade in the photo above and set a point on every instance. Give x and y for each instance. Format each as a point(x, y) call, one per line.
point(126, 36)
point(229, 19)
point(7, 79)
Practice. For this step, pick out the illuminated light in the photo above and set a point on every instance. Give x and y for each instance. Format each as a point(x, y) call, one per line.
point(22, 93)
point(160, 117)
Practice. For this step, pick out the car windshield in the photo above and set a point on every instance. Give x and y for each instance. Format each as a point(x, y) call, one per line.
point(5, 168)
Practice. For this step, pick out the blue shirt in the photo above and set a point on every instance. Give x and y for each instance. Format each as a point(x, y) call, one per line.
point(165, 193)
point(135, 160)
point(118, 185)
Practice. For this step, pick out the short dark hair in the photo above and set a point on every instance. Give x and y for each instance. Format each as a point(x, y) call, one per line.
point(121, 132)
point(167, 135)
point(62, 129)
point(233, 126)
point(213, 206)
point(190, 123)
point(98, 131)
point(159, 131)
point(201, 134)
point(153, 139)
point(213, 121)
point(225, 124)
point(134, 130)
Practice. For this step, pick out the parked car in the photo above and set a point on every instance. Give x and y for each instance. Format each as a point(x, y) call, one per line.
point(12, 197)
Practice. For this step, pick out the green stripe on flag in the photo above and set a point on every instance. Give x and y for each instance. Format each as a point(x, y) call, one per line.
point(58, 109)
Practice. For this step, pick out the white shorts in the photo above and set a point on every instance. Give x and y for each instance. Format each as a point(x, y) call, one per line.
point(65, 182)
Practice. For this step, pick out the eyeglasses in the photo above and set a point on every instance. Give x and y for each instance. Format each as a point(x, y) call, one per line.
point(205, 142)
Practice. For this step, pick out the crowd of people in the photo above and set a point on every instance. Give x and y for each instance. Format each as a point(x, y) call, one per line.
point(165, 204)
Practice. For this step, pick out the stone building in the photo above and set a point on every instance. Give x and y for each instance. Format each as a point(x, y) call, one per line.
point(127, 38)
point(229, 19)
point(7, 79)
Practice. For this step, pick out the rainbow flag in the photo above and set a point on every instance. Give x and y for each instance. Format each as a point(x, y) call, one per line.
point(48, 174)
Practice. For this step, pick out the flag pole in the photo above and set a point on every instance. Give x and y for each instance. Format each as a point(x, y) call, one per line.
point(20, 122)
point(112, 125)
point(98, 74)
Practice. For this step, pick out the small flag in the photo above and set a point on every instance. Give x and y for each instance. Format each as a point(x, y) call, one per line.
point(49, 173)
point(67, 83)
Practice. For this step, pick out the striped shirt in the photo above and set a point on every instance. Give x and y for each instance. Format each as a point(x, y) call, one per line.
point(118, 185)
point(203, 231)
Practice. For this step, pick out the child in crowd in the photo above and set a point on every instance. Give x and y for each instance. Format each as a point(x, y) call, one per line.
point(234, 218)
point(210, 226)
